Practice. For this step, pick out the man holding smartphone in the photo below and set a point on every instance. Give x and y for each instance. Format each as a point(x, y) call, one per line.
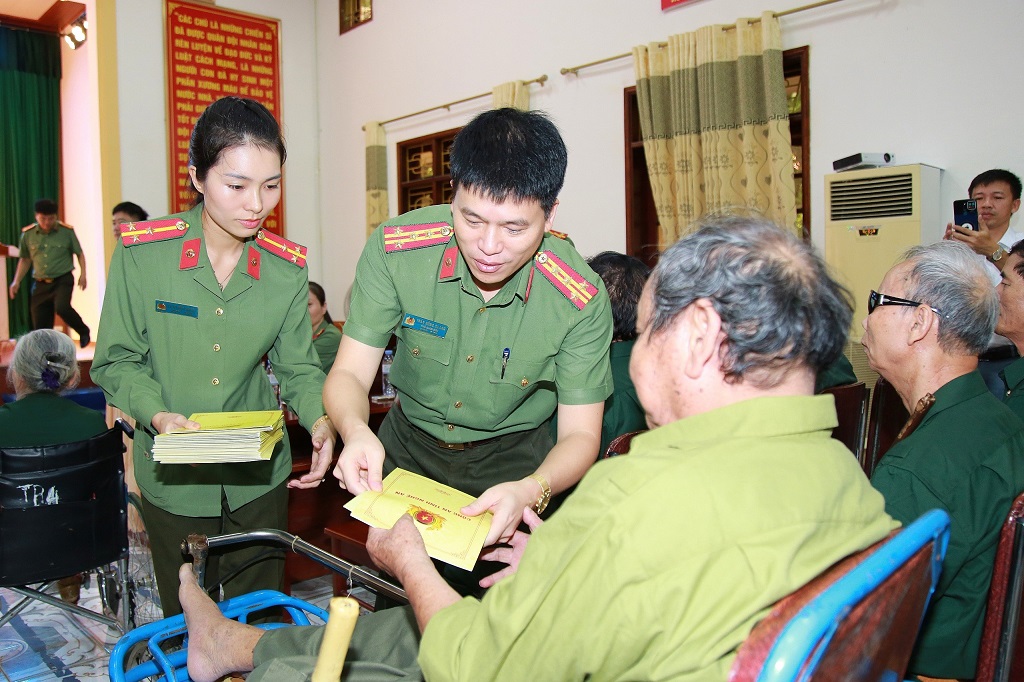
point(997, 193)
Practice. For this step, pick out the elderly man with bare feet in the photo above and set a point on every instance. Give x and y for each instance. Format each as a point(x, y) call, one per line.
point(733, 325)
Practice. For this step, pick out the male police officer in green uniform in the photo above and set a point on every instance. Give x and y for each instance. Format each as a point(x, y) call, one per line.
point(46, 247)
point(499, 322)
point(934, 312)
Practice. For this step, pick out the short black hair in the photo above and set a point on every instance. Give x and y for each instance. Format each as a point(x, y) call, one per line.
point(624, 277)
point(321, 295)
point(46, 207)
point(996, 175)
point(134, 211)
point(510, 154)
point(231, 122)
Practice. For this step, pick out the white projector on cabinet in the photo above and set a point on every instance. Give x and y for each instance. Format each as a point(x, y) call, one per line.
point(862, 160)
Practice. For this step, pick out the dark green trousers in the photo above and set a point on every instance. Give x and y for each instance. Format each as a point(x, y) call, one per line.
point(166, 531)
point(384, 649)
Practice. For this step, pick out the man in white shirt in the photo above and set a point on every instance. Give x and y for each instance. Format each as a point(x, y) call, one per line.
point(997, 192)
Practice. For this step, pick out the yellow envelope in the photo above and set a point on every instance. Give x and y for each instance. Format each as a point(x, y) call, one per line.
point(449, 535)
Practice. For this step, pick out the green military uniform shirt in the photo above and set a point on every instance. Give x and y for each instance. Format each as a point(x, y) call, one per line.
point(448, 368)
point(50, 252)
point(839, 373)
point(47, 419)
point(966, 457)
point(171, 340)
point(1013, 376)
point(326, 339)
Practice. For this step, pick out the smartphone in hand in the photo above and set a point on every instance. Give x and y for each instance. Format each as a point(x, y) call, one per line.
point(965, 214)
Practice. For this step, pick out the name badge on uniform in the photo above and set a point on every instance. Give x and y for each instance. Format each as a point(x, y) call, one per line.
point(177, 309)
point(422, 324)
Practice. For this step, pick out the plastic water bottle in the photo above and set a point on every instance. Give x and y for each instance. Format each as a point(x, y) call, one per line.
point(387, 390)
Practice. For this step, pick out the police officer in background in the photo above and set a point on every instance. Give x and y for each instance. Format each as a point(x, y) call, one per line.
point(46, 247)
point(499, 323)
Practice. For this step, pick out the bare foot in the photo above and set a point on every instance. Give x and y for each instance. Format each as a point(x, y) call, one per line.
point(216, 645)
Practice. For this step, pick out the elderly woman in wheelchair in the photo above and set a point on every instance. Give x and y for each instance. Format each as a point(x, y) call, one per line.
point(42, 368)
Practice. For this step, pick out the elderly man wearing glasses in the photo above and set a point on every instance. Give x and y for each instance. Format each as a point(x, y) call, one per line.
point(931, 316)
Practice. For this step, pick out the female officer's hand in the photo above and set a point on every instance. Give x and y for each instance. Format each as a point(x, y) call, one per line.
point(323, 454)
point(361, 462)
point(169, 421)
point(506, 501)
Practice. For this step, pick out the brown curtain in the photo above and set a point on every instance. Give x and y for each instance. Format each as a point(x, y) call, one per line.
point(376, 176)
point(715, 126)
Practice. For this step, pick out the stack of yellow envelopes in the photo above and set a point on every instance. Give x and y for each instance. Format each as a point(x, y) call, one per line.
point(223, 437)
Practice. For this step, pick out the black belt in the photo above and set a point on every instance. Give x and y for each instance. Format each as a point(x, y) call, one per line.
point(466, 445)
point(44, 280)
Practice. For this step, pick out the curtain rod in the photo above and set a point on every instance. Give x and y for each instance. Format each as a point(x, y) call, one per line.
point(803, 8)
point(447, 107)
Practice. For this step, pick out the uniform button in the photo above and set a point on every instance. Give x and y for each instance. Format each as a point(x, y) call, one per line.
point(482, 310)
point(215, 382)
point(216, 347)
point(458, 403)
point(470, 359)
point(451, 427)
point(416, 351)
point(524, 382)
point(219, 311)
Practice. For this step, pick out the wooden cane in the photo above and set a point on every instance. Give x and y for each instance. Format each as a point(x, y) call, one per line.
point(341, 621)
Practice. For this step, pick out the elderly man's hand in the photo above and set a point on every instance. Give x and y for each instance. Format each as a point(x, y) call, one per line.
point(400, 550)
point(510, 555)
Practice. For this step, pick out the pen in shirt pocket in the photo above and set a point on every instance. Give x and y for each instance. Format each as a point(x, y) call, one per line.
point(504, 361)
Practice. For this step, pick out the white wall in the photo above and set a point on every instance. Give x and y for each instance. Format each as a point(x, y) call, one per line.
point(81, 206)
point(928, 80)
point(143, 110)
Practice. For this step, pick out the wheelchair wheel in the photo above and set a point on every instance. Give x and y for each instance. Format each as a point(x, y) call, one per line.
point(143, 598)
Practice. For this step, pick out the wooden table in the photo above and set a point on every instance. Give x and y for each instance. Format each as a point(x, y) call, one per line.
point(311, 510)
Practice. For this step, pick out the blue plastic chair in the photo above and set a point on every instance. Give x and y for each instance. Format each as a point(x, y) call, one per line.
point(858, 620)
point(171, 667)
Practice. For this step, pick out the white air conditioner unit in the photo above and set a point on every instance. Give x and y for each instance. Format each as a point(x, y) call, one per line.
point(871, 217)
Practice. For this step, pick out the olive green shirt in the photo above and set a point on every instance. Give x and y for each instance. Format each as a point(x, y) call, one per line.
point(171, 340)
point(1013, 376)
point(966, 457)
point(326, 339)
point(448, 368)
point(50, 253)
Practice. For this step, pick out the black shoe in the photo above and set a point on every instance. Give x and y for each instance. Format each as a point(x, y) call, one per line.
point(84, 339)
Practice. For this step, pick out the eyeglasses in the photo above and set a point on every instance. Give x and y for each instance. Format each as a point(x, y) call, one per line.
point(876, 299)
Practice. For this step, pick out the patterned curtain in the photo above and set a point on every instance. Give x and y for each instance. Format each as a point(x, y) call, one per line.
point(376, 176)
point(715, 125)
point(515, 94)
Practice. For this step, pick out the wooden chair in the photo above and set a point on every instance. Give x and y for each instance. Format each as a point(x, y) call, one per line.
point(858, 620)
point(852, 410)
point(885, 419)
point(620, 444)
point(1001, 654)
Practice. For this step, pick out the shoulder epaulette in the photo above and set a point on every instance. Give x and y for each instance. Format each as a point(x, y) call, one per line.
point(147, 231)
point(409, 237)
point(571, 283)
point(70, 227)
point(28, 227)
point(282, 248)
point(560, 235)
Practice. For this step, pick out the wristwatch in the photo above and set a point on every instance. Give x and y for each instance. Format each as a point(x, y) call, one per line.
point(997, 254)
point(545, 496)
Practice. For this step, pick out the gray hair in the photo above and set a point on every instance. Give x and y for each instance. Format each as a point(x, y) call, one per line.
point(778, 305)
point(949, 276)
point(44, 361)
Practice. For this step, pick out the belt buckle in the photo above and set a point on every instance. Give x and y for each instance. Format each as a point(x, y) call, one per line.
point(451, 446)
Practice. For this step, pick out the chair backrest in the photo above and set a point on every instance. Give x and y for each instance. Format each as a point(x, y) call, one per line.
point(885, 419)
point(852, 410)
point(63, 508)
point(861, 616)
point(1001, 654)
point(620, 444)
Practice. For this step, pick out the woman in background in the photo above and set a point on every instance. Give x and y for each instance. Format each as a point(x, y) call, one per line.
point(193, 304)
point(44, 366)
point(326, 336)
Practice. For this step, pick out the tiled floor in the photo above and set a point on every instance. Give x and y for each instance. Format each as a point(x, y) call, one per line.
point(43, 643)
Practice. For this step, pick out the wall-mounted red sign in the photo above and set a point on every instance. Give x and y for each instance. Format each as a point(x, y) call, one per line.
point(211, 53)
point(669, 4)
